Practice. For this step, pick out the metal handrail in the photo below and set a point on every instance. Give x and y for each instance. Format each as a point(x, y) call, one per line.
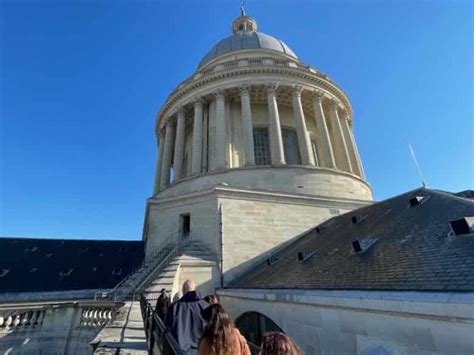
point(159, 338)
point(159, 259)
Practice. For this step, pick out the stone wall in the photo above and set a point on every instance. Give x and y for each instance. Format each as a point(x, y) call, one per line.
point(253, 222)
point(356, 322)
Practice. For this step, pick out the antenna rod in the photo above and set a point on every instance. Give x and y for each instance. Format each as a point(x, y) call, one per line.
point(417, 165)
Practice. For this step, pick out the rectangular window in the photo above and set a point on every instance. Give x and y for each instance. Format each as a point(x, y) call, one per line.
point(262, 151)
point(290, 146)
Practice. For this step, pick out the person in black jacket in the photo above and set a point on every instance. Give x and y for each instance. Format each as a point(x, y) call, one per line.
point(184, 318)
point(162, 304)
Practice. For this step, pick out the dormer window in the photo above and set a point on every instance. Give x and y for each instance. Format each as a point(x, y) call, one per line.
point(462, 226)
point(360, 246)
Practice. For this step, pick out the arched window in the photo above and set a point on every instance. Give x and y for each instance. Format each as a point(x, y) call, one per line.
point(253, 325)
point(262, 148)
point(290, 146)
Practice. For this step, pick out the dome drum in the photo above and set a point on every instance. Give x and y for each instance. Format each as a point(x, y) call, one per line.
point(314, 130)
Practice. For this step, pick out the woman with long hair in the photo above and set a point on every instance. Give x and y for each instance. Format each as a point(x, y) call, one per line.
point(276, 343)
point(220, 336)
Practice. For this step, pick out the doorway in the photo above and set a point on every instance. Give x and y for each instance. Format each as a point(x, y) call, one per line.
point(185, 225)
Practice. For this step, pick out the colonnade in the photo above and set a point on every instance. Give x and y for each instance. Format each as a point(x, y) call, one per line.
point(337, 148)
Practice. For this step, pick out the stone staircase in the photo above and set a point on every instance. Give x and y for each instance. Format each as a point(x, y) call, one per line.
point(192, 262)
point(125, 334)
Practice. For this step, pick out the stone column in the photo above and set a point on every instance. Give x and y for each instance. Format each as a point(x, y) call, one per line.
point(277, 152)
point(167, 154)
point(352, 146)
point(161, 144)
point(339, 139)
point(304, 143)
point(179, 146)
point(327, 158)
point(220, 161)
point(197, 138)
point(247, 125)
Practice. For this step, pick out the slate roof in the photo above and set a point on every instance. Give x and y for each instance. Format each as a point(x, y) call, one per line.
point(39, 265)
point(415, 250)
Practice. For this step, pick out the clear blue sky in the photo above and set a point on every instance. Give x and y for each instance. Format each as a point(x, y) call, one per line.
point(81, 82)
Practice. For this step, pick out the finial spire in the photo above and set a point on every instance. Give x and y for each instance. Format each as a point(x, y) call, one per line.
point(242, 7)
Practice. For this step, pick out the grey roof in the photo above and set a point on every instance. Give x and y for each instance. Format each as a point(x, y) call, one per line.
point(246, 40)
point(39, 265)
point(413, 250)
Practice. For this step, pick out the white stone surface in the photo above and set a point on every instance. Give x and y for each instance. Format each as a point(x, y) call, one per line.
point(358, 322)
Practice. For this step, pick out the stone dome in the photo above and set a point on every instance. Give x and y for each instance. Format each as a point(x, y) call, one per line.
point(245, 36)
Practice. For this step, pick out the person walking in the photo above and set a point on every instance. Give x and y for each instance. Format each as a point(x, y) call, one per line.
point(220, 336)
point(277, 343)
point(162, 304)
point(184, 318)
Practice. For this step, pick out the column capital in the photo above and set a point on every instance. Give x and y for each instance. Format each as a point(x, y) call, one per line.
point(180, 110)
point(296, 89)
point(244, 89)
point(219, 94)
point(169, 120)
point(317, 95)
point(345, 113)
point(197, 101)
point(334, 104)
point(271, 88)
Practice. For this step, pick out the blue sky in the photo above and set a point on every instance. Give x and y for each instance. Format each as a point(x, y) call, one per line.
point(81, 82)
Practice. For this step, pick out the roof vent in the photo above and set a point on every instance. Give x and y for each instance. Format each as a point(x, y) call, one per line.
point(272, 260)
point(84, 250)
point(34, 269)
point(64, 273)
point(357, 219)
point(319, 229)
point(123, 250)
point(462, 226)
point(305, 255)
point(4, 272)
point(417, 200)
point(360, 246)
point(116, 271)
point(49, 255)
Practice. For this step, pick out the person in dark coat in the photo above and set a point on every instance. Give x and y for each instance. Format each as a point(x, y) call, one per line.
point(162, 304)
point(184, 318)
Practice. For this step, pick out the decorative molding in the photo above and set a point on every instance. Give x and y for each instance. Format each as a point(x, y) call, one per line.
point(219, 94)
point(198, 101)
point(318, 95)
point(244, 89)
point(296, 89)
point(271, 88)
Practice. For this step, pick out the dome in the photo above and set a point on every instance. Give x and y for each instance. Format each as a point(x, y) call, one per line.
point(245, 36)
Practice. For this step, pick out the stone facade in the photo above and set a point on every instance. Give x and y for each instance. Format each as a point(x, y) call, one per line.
point(358, 322)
